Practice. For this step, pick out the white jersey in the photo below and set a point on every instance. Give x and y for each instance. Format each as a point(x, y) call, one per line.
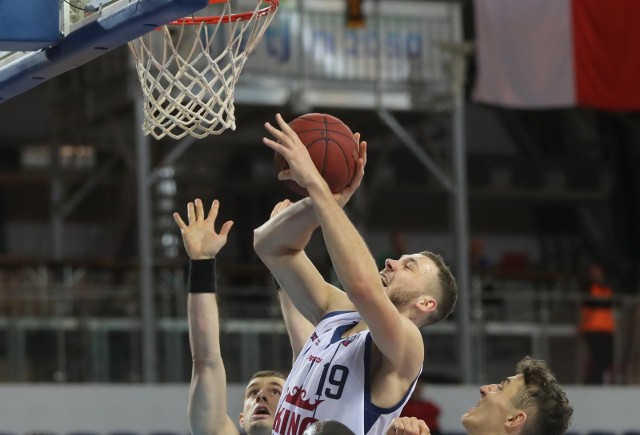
point(331, 380)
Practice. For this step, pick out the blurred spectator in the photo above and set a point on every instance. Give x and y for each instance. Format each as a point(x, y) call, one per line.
point(478, 259)
point(423, 409)
point(597, 324)
point(483, 288)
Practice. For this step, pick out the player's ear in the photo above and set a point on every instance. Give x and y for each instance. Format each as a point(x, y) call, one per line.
point(427, 303)
point(241, 419)
point(515, 421)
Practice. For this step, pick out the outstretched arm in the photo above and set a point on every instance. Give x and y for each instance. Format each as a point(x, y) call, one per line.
point(207, 408)
point(298, 327)
point(397, 337)
point(280, 243)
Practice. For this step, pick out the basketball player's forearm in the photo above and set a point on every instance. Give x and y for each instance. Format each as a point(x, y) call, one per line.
point(204, 330)
point(207, 407)
point(298, 327)
point(350, 256)
point(288, 231)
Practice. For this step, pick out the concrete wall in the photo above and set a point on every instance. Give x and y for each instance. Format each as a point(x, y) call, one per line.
point(143, 409)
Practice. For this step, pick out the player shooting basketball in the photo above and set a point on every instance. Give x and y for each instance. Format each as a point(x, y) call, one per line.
point(366, 353)
point(207, 407)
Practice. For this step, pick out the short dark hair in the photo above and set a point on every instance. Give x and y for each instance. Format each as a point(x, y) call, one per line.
point(548, 408)
point(267, 374)
point(448, 287)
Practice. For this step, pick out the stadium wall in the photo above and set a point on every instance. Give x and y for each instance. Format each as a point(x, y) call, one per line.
point(139, 409)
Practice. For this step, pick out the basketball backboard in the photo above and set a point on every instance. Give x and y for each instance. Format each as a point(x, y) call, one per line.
point(86, 29)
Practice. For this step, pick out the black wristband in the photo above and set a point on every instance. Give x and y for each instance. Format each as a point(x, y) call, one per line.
point(276, 284)
point(202, 276)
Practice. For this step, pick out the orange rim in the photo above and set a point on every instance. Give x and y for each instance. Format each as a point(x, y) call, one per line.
point(215, 19)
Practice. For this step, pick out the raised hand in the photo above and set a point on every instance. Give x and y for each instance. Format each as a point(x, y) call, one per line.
point(344, 196)
point(200, 238)
point(302, 169)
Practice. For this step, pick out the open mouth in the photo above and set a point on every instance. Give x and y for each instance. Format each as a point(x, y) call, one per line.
point(384, 280)
point(261, 412)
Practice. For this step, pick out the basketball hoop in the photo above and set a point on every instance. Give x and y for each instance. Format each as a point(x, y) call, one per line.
point(188, 69)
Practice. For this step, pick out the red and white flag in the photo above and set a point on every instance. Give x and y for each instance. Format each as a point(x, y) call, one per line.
point(536, 54)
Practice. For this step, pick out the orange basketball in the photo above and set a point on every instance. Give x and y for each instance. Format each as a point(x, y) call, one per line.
point(332, 147)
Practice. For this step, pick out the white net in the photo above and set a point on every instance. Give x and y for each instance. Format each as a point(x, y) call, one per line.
point(188, 71)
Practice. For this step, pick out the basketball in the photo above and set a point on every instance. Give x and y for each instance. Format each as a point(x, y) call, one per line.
point(332, 147)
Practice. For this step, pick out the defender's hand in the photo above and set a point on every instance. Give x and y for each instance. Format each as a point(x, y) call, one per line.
point(200, 238)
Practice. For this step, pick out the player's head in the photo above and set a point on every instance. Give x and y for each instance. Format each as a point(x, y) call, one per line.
point(421, 285)
point(529, 403)
point(260, 401)
point(328, 427)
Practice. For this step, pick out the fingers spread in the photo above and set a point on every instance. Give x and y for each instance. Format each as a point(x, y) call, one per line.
point(199, 210)
point(276, 146)
point(274, 131)
point(226, 227)
point(213, 211)
point(282, 123)
point(191, 213)
point(363, 152)
point(179, 221)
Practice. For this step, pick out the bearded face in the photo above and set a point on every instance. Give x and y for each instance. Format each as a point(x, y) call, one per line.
point(407, 278)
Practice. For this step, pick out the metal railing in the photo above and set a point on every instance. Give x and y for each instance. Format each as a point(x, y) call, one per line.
point(80, 323)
